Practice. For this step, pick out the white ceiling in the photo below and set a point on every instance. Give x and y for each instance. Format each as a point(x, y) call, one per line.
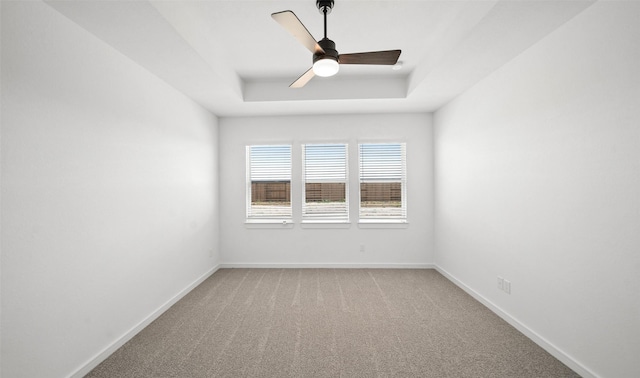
point(233, 59)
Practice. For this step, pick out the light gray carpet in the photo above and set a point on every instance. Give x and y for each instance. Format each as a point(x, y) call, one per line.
point(329, 323)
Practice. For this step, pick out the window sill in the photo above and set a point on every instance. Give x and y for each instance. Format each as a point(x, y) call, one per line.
point(383, 223)
point(268, 223)
point(325, 224)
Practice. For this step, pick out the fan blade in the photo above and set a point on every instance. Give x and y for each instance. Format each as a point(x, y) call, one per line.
point(389, 57)
point(290, 21)
point(304, 79)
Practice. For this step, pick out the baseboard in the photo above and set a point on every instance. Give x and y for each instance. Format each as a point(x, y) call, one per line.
point(328, 266)
point(536, 338)
point(95, 361)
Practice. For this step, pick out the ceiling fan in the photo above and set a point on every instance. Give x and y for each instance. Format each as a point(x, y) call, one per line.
point(326, 60)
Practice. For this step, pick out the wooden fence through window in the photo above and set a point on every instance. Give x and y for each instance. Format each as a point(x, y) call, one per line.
point(270, 191)
point(280, 191)
point(380, 191)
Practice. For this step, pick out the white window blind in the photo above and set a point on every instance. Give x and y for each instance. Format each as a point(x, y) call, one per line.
point(383, 181)
point(325, 183)
point(269, 182)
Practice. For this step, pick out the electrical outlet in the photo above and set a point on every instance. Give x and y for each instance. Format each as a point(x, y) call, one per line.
point(361, 247)
point(211, 253)
point(500, 283)
point(507, 287)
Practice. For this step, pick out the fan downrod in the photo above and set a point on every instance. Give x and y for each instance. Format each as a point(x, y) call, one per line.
point(329, 47)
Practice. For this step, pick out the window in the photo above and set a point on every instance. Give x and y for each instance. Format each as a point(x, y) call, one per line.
point(383, 182)
point(325, 183)
point(269, 183)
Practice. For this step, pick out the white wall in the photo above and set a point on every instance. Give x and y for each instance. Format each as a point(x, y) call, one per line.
point(410, 246)
point(537, 172)
point(109, 193)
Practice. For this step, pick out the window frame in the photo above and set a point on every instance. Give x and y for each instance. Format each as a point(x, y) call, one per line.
point(399, 221)
point(269, 219)
point(326, 220)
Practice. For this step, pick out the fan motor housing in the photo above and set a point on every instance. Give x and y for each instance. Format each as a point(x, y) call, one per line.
point(329, 48)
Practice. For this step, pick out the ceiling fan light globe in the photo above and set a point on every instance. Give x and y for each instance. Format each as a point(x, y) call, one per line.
point(325, 67)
